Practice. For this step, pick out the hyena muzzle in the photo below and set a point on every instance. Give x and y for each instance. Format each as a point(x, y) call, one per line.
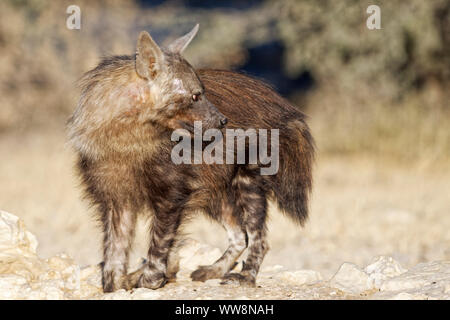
point(121, 130)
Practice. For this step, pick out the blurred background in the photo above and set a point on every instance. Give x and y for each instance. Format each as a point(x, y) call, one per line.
point(378, 102)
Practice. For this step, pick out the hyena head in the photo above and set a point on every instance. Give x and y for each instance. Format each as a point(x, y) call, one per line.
point(176, 90)
point(127, 104)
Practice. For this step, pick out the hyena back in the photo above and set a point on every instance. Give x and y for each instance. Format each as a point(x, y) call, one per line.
point(121, 130)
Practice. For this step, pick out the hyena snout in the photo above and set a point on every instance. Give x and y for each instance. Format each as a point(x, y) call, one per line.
point(223, 122)
point(220, 122)
point(215, 119)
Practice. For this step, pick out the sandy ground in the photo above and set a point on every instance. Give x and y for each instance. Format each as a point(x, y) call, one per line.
point(361, 208)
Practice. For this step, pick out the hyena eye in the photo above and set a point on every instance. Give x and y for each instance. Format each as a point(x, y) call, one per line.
point(195, 97)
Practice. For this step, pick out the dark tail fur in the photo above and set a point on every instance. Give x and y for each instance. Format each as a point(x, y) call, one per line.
point(293, 183)
point(250, 103)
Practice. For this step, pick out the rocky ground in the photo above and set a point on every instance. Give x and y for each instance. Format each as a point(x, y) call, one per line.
point(24, 275)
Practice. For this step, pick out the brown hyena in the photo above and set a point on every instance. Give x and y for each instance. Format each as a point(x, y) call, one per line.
point(121, 129)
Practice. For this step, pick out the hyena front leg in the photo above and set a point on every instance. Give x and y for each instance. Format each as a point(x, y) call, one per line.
point(118, 234)
point(153, 274)
point(173, 266)
point(251, 198)
point(237, 243)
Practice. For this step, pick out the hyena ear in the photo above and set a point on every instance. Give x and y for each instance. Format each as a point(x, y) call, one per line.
point(181, 43)
point(149, 56)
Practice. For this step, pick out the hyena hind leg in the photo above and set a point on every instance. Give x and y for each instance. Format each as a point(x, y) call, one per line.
point(118, 234)
point(237, 243)
point(254, 205)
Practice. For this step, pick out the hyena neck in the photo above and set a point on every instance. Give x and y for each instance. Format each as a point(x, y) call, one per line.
point(113, 117)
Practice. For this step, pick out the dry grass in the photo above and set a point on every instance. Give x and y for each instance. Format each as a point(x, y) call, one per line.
point(40, 61)
point(415, 129)
point(362, 207)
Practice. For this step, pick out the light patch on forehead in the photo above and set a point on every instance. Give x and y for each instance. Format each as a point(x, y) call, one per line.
point(178, 86)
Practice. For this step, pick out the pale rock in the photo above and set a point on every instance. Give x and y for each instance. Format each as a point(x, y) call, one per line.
point(11, 286)
point(60, 261)
point(15, 240)
point(49, 275)
point(71, 276)
point(90, 281)
point(424, 276)
point(383, 268)
point(48, 290)
point(29, 267)
point(23, 275)
point(350, 278)
point(91, 276)
point(88, 271)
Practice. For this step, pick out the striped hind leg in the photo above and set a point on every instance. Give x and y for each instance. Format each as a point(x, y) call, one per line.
point(237, 238)
point(252, 200)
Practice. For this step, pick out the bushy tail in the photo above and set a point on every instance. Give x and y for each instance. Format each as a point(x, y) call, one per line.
point(292, 184)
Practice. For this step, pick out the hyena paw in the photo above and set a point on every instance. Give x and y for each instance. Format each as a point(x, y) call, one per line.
point(112, 281)
point(204, 273)
point(131, 280)
point(152, 281)
point(239, 278)
point(108, 282)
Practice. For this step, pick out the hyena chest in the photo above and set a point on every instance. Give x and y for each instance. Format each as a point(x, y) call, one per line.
point(164, 184)
point(156, 183)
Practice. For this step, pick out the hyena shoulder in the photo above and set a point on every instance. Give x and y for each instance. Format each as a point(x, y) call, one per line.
point(113, 106)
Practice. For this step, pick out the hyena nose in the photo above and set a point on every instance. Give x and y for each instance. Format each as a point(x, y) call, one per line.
point(223, 122)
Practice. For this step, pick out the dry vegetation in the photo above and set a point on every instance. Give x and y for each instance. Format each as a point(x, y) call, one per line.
point(383, 92)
